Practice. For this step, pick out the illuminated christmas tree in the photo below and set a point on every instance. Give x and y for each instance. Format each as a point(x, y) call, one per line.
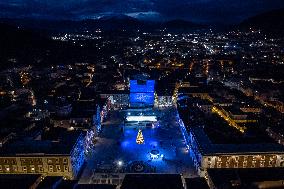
point(139, 138)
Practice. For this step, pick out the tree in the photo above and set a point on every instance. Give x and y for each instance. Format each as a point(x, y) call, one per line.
point(139, 138)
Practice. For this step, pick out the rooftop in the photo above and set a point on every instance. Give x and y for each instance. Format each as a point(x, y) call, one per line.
point(95, 186)
point(193, 90)
point(207, 147)
point(49, 182)
point(18, 181)
point(54, 141)
point(196, 183)
point(245, 176)
point(150, 181)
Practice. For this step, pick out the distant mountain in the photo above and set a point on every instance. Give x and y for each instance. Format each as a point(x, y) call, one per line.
point(110, 22)
point(271, 22)
point(181, 25)
point(117, 22)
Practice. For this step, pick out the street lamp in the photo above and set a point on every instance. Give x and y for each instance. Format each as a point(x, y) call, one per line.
point(119, 163)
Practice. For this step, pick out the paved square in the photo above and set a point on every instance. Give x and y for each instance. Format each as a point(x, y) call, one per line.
point(117, 151)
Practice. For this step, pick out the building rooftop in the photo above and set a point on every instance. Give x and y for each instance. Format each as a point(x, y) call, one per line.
point(116, 92)
point(245, 177)
point(190, 90)
point(208, 148)
point(49, 182)
point(196, 183)
point(151, 181)
point(54, 141)
point(66, 184)
point(95, 186)
point(18, 181)
point(84, 109)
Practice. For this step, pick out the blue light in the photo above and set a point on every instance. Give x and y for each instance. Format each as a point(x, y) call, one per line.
point(147, 86)
point(78, 156)
point(137, 99)
point(184, 132)
point(142, 93)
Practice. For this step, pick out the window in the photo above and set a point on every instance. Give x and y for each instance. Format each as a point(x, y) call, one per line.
point(227, 164)
point(219, 164)
point(209, 164)
point(41, 169)
point(261, 164)
point(50, 167)
point(14, 168)
point(58, 167)
point(24, 168)
point(236, 165)
point(270, 163)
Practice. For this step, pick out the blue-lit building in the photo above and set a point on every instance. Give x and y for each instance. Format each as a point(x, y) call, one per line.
point(142, 93)
point(141, 103)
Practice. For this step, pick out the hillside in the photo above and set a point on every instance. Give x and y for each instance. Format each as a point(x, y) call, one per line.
point(107, 23)
point(271, 22)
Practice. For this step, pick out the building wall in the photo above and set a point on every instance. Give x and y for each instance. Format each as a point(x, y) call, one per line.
point(67, 166)
point(165, 101)
point(258, 160)
point(117, 100)
point(46, 165)
point(243, 161)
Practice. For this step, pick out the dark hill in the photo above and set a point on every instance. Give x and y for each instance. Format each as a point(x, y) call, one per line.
point(271, 22)
point(107, 23)
point(181, 25)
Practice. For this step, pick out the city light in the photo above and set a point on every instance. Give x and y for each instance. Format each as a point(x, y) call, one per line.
point(120, 163)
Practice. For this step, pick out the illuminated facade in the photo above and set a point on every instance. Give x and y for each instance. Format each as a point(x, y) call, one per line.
point(163, 101)
point(62, 164)
point(118, 99)
point(142, 93)
point(206, 154)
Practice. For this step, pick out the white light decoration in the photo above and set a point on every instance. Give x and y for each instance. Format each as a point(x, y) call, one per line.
point(141, 118)
point(119, 163)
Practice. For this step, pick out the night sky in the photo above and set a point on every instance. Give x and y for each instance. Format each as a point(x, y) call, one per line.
point(214, 11)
